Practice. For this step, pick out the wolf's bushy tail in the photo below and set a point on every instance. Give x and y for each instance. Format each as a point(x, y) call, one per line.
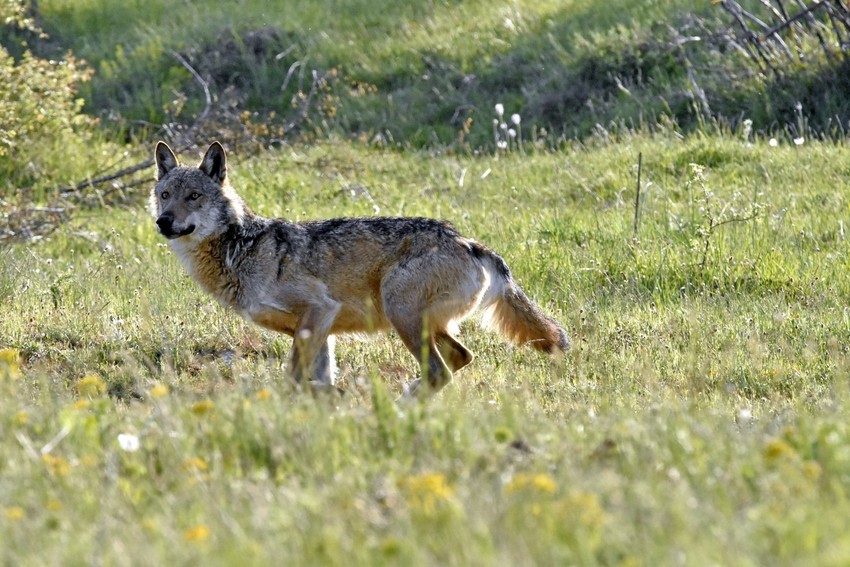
point(515, 316)
point(508, 310)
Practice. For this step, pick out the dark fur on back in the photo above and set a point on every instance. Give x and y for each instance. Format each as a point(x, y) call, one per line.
point(382, 227)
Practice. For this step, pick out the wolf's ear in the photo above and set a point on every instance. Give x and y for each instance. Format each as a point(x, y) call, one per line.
point(214, 163)
point(165, 159)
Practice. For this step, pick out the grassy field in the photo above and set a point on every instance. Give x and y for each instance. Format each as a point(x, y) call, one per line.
point(700, 418)
point(410, 73)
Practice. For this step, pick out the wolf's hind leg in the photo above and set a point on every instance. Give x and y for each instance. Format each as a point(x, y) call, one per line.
point(408, 300)
point(407, 317)
point(445, 356)
point(454, 353)
point(423, 346)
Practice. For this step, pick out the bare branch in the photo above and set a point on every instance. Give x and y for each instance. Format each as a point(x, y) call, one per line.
point(304, 107)
point(716, 225)
point(289, 74)
point(103, 179)
point(753, 44)
point(806, 12)
point(204, 85)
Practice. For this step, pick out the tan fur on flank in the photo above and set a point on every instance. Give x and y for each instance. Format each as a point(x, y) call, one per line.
point(313, 280)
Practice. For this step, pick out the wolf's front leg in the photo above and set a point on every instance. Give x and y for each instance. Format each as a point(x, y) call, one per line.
point(312, 346)
point(324, 374)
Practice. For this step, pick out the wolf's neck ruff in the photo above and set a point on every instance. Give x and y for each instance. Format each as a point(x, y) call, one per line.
point(312, 280)
point(206, 264)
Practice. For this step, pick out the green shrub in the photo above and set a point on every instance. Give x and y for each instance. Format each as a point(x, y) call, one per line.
point(40, 112)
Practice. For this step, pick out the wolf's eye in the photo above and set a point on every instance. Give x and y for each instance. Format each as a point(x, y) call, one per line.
point(164, 195)
point(195, 196)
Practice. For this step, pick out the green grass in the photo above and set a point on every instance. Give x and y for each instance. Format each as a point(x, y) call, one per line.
point(428, 74)
point(410, 72)
point(699, 419)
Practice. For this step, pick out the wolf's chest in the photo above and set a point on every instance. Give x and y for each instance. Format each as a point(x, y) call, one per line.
point(209, 271)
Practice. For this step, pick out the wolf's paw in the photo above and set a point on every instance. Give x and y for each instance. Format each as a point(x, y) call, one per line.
point(414, 390)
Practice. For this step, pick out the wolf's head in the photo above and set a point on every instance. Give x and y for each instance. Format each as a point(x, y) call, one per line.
point(194, 203)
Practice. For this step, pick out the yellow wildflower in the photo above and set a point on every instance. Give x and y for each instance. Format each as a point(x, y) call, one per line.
point(57, 466)
point(812, 470)
point(777, 448)
point(91, 385)
point(425, 491)
point(21, 417)
point(195, 464)
point(538, 482)
point(197, 533)
point(10, 363)
point(159, 391)
point(81, 404)
point(203, 407)
point(14, 513)
point(263, 394)
point(10, 356)
point(585, 506)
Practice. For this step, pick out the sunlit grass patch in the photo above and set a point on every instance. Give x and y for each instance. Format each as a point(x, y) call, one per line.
point(704, 393)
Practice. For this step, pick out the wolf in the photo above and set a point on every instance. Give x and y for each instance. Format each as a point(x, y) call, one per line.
point(313, 280)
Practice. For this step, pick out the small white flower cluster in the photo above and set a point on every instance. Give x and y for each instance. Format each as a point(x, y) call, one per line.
point(507, 136)
point(748, 130)
point(798, 141)
point(773, 142)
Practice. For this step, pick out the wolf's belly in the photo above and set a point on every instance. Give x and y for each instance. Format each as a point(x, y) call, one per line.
point(274, 319)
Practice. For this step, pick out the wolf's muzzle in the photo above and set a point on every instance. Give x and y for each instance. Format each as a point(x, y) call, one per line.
point(166, 227)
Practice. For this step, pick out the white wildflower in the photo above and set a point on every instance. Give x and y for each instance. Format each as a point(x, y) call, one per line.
point(515, 118)
point(745, 415)
point(502, 145)
point(748, 129)
point(799, 141)
point(773, 142)
point(512, 133)
point(500, 109)
point(128, 442)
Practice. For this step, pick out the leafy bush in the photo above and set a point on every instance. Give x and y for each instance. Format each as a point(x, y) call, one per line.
point(40, 112)
point(16, 13)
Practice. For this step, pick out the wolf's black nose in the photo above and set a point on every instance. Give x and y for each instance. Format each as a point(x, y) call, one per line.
point(164, 223)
